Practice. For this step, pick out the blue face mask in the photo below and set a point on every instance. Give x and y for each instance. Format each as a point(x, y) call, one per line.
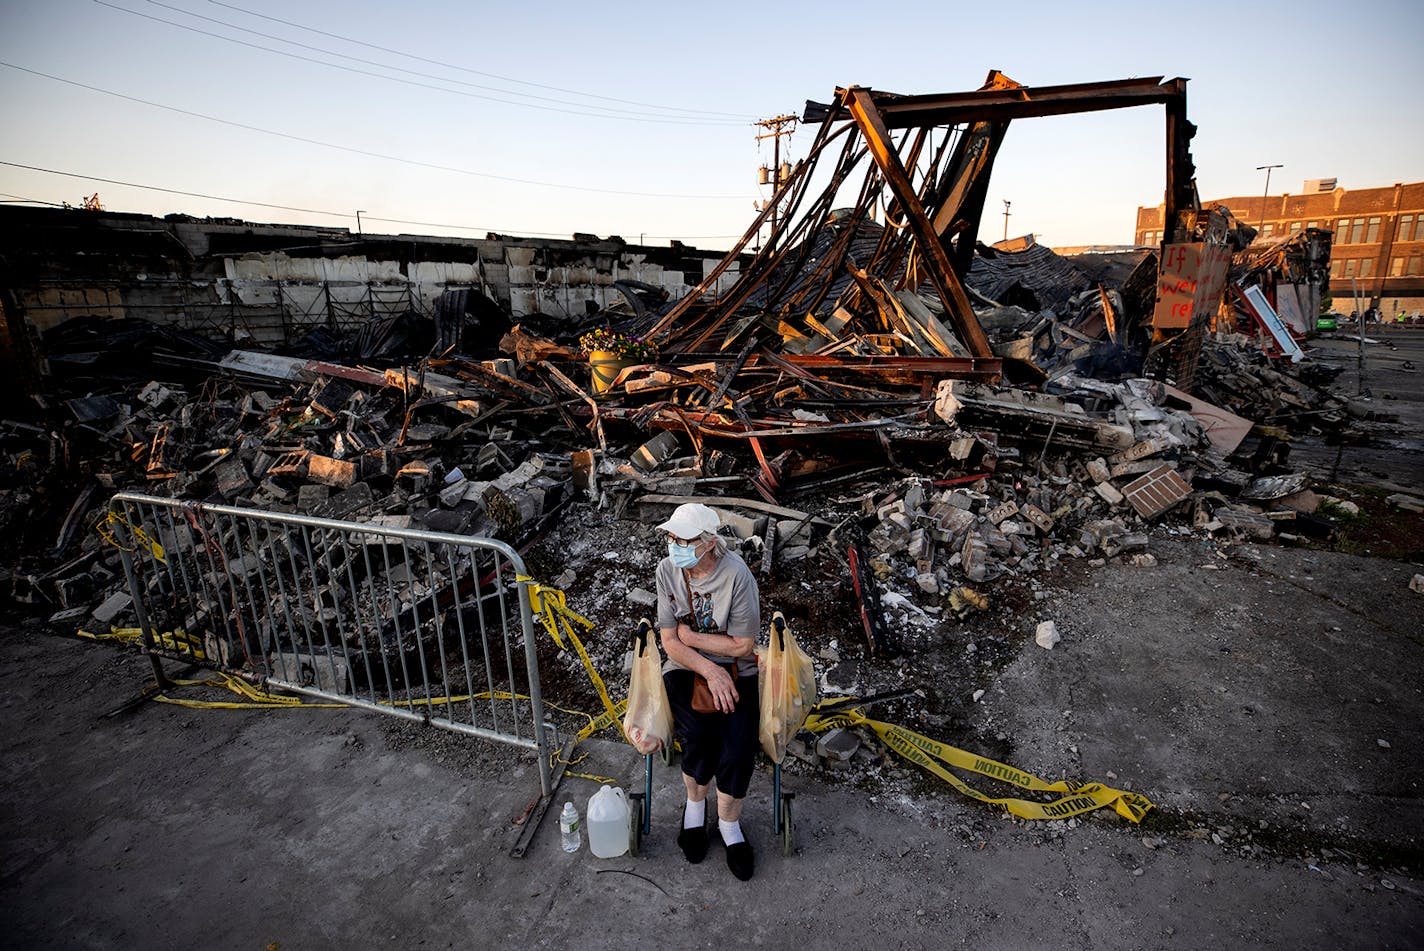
point(683, 556)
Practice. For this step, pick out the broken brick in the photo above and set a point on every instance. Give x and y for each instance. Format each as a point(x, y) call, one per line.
point(1157, 491)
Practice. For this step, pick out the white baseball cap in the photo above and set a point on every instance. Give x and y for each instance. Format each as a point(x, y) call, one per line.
point(691, 520)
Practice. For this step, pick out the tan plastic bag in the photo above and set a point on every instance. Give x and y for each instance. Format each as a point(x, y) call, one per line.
point(648, 722)
point(788, 690)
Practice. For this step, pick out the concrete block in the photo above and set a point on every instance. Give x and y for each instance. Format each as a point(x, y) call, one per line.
point(896, 507)
point(324, 672)
point(342, 504)
point(1118, 544)
point(114, 605)
point(1124, 469)
point(974, 557)
point(76, 591)
point(329, 471)
point(69, 618)
point(1098, 470)
point(1246, 523)
point(454, 493)
point(311, 496)
point(1000, 512)
point(838, 745)
point(656, 451)
point(1037, 516)
point(1108, 493)
point(919, 546)
point(1141, 450)
point(231, 479)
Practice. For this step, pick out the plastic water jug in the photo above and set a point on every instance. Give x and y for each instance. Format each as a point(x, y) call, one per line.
point(607, 822)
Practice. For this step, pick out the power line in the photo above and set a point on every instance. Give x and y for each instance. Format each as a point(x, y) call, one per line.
point(465, 69)
point(31, 201)
point(329, 52)
point(407, 82)
point(175, 191)
point(352, 149)
point(317, 211)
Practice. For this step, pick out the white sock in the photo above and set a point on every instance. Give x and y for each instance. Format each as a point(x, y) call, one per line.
point(696, 814)
point(731, 831)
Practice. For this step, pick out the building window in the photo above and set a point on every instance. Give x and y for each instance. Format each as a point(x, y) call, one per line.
point(1295, 227)
point(1335, 268)
point(1396, 267)
point(1267, 230)
point(1367, 266)
point(1419, 228)
point(1312, 224)
point(1414, 265)
point(1357, 231)
point(1342, 231)
point(1372, 236)
point(1405, 230)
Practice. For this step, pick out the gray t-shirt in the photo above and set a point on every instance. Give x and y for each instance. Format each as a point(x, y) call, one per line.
point(726, 601)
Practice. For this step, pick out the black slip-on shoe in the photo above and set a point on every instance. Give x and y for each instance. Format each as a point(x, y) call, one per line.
point(693, 843)
point(741, 860)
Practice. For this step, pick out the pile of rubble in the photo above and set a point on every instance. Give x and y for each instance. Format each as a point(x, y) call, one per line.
point(919, 418)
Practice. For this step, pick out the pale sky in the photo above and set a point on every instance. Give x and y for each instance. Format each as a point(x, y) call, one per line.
point(636, 118)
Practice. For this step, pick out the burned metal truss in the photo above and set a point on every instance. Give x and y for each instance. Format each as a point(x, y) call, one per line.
point(827, 274)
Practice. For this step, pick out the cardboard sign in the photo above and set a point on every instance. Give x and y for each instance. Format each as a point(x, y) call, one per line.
point(1190, 280)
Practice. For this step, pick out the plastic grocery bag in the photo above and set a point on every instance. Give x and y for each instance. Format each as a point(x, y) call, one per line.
point(648, 722)
point(788, 690)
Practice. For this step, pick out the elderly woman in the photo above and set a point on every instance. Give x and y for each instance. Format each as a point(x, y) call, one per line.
point(709, 617)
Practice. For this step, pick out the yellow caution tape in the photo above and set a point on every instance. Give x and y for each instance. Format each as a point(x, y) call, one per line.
point(257, 698)
point(552, 607)
point(555, 759)
point(140, 537)
point(923, 752)
point(176, 642)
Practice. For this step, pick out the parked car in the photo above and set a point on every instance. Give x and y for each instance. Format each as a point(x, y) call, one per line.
point(1327, 322)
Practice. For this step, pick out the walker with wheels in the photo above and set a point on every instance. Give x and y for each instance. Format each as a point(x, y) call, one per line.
point(640, 814)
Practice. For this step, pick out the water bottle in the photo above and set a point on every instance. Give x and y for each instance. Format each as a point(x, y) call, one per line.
point(569, 828)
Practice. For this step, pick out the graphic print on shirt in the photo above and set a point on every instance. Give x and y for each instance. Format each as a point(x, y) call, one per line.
point(703, 620)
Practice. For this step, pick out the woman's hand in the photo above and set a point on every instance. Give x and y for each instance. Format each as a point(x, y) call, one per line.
point(723, 687)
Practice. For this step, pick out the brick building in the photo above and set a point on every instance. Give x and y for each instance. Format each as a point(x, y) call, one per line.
point(1378, 243)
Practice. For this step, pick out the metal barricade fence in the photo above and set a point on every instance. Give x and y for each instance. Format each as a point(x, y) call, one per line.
point(415, 624)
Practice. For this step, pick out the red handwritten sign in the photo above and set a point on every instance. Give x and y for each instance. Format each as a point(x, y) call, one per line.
point(1190, 280)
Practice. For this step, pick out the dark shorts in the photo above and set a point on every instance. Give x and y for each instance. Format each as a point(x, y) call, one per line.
point(719, 746)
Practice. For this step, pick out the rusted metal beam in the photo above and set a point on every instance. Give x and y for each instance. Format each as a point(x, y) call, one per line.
point(1181, 172)
point(942, 275)
point(1022, 102)
point(958, 368)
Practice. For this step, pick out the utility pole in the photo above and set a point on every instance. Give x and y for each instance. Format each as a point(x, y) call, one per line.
point(1264, 198)
point(775, 129)
point(358, 219)
point(1006, 219)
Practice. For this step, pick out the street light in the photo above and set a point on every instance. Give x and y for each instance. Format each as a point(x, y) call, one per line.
point(1267, 169)
point(1006, 219)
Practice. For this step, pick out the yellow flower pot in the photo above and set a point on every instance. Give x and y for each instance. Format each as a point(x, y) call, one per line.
point(605, 366)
